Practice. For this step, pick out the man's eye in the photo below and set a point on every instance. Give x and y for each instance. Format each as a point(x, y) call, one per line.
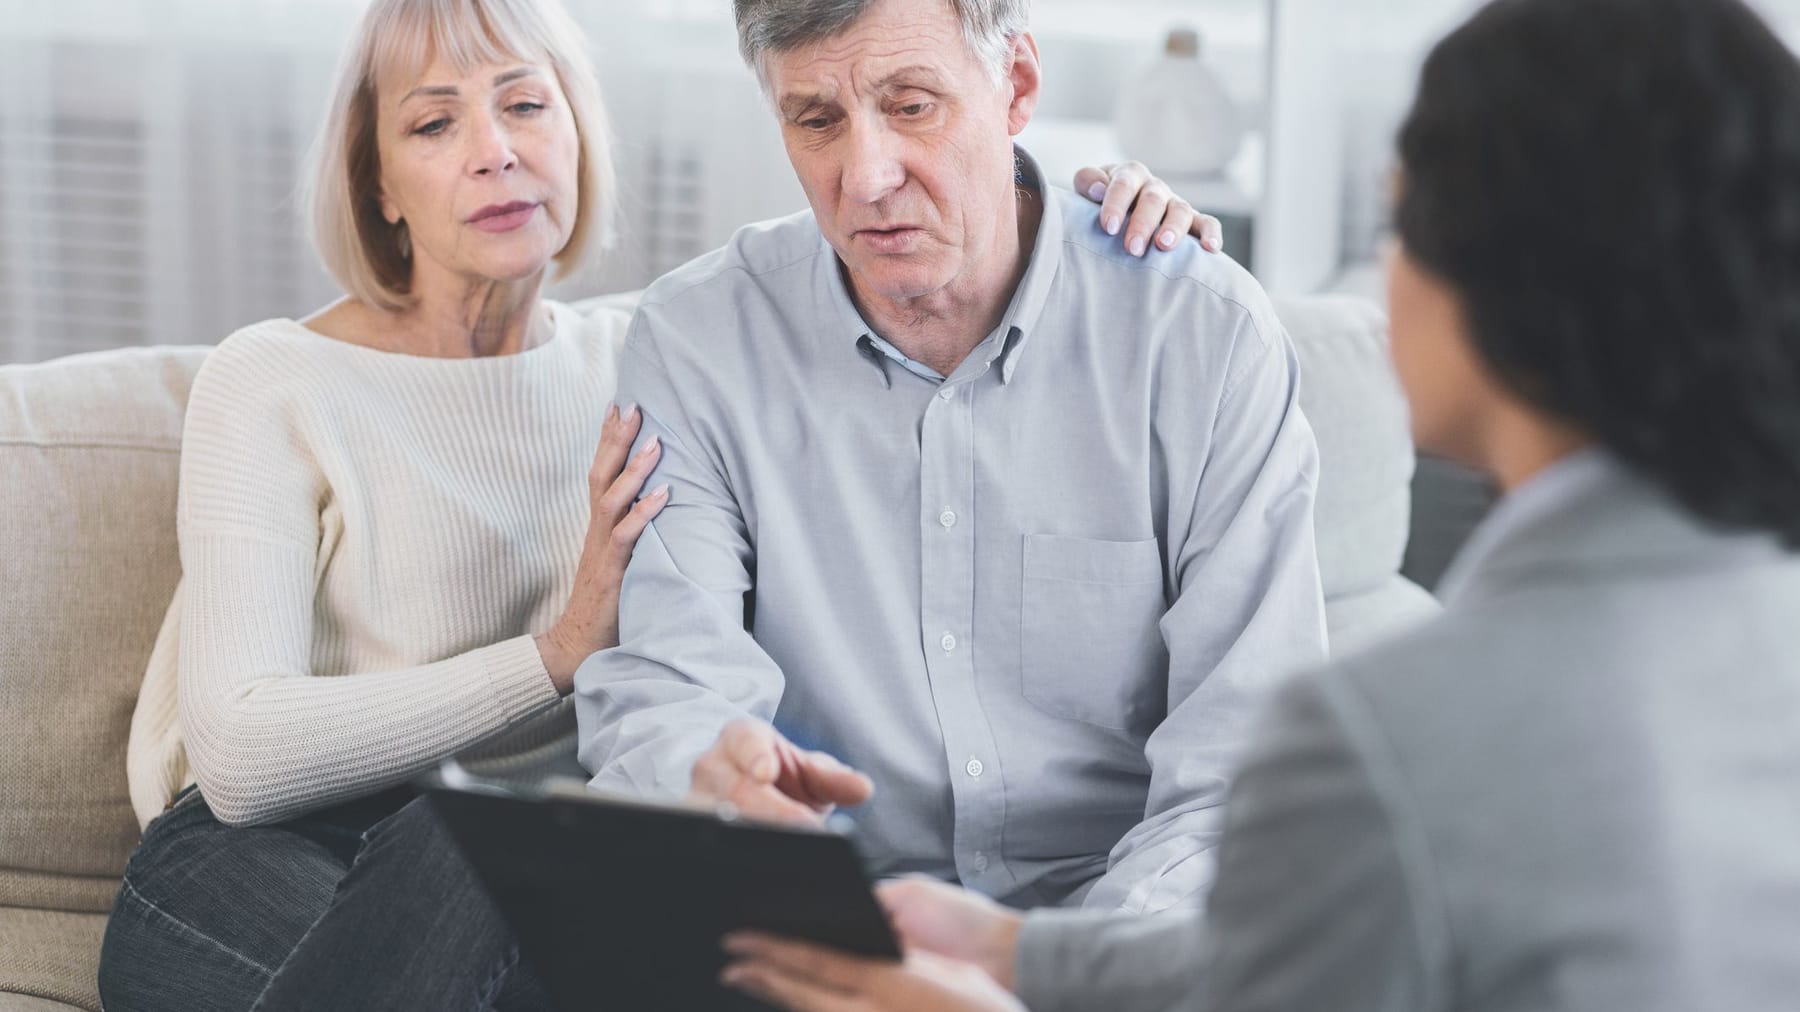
point(915, 109)
point(815, 123)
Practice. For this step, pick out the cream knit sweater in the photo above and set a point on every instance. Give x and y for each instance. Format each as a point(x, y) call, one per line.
point(368, 542)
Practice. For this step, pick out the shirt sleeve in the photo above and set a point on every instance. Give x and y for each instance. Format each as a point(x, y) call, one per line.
point(1248, 609)
point(1323, 899)
point(686, 665)
point(1080, 960)
point(265, 737)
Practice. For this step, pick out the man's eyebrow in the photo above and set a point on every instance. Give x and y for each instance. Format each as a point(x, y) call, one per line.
point(916, 76)
point(794, 105)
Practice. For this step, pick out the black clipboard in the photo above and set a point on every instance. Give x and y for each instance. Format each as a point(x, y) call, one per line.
point(620, 904)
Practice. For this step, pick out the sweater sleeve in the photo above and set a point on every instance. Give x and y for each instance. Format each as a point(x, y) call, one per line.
point(267, 738)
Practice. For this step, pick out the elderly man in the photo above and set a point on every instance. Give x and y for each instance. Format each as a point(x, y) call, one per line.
point(1015, 524)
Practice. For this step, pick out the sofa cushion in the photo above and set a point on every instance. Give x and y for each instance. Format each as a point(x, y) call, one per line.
point(1353, 400)
point(51, 956)
point(89, 448)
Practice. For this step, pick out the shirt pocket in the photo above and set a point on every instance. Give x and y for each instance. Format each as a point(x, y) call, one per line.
point(1089, 644)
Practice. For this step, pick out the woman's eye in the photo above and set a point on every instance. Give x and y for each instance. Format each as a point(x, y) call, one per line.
point(525, 108)
point(433, 128)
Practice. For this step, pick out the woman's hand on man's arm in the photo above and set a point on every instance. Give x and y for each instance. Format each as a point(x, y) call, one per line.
point(590, 621)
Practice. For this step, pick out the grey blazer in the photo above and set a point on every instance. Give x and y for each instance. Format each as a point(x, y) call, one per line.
point(1578, 788)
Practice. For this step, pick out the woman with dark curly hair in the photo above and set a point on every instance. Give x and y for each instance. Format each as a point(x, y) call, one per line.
point(1580, 787)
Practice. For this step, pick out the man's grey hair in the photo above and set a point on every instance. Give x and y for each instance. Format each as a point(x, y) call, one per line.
point(781, 26)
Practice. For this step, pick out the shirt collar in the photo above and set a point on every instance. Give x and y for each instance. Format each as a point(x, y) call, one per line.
point(1022, 313)
point(1543, 494)
point(1033, 293)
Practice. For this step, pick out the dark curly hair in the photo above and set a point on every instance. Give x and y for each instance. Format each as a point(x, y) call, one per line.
point(1612, 188)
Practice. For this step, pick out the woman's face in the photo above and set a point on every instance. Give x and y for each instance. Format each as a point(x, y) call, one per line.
point(1445, 384)
point(482, 167)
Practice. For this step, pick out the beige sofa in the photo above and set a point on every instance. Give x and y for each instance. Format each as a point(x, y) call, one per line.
point(88, 450)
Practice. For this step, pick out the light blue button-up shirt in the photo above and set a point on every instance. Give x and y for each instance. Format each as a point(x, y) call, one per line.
point(1035, 600)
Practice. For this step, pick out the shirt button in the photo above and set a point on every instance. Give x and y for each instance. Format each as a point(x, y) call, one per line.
point(979, 862)
point(974, 768)
point(945, 393)
point(948, 643)
point(947, 518)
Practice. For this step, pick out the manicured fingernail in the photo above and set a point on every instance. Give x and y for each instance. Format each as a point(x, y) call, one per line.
point(1136, 246)
point(651, 445)
point(660, 492)
point(1097, 191)
point(630, 413)
point(763, 768)
point(1113, 222)
point(1167, 240)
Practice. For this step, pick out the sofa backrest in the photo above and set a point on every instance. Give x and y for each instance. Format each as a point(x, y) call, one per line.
point(88, 448)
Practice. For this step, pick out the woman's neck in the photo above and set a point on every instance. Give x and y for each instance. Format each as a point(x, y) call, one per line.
point(453, 317)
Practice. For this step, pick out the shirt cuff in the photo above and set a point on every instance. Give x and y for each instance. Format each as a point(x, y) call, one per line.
point(1051, 944)
point(1079, 960)
point(521, 684)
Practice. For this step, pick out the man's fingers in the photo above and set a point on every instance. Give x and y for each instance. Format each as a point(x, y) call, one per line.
point(764, 802)
point(752, 746)
point(825, 780)
point(714, 777)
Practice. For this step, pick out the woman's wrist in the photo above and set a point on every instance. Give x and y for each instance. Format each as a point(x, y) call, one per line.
point(559, 661)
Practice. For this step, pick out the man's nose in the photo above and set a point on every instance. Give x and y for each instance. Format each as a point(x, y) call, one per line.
point(873, 167)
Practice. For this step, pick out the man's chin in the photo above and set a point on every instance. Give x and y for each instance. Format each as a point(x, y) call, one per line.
point(896, 281)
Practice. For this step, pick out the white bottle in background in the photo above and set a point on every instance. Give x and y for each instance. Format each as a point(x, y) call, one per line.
point(1175, 115)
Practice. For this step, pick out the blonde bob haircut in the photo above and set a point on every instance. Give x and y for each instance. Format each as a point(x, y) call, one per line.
point(397, 40)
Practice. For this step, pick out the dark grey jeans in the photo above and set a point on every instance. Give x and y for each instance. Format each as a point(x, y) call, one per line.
point(365, 905)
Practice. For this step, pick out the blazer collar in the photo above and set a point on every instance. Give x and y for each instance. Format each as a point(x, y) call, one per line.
point(1595, 521)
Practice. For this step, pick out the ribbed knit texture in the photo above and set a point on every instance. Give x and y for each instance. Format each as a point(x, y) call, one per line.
point(368, 542)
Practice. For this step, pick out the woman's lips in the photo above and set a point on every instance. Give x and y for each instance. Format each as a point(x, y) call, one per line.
point(503, 217)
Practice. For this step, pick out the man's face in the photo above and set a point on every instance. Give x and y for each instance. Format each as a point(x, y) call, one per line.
point(903, 144)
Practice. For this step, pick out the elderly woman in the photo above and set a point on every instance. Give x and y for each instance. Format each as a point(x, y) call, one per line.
point(1580, 787)
point(397, 533)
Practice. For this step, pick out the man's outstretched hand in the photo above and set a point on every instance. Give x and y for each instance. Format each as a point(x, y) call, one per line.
point(764, 776)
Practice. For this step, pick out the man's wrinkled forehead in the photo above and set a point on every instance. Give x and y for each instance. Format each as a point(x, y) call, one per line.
point(915, 44)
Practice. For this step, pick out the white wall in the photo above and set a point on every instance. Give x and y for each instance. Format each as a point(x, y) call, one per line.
point(149, 149)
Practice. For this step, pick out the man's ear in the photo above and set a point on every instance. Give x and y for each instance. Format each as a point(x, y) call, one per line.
point(1027, 80)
